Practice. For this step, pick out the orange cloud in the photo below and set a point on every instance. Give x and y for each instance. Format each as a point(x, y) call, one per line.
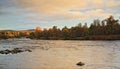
point(98, 13)
point(49, 9)
point(53, 6)
point(97, 3)
point(113, 3)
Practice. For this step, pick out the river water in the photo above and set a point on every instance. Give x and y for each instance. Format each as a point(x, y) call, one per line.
point(61, 54)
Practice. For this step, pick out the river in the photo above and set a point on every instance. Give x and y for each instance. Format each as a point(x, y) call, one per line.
point(61, 54)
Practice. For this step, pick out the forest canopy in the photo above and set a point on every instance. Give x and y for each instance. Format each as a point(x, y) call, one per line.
point(97, 30)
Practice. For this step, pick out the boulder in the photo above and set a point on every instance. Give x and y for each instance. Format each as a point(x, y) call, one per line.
point(80, 64)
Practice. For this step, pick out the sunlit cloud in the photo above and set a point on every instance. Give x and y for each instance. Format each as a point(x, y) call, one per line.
point(52, 6)
point(98, 13)
point(51, 11)
point(60, 9)
point(113, 3)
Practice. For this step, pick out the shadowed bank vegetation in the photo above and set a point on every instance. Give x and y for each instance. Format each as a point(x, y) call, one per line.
point(107, 29)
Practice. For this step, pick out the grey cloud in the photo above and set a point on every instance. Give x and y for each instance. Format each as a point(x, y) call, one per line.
point(3, 13)
point(8, 3)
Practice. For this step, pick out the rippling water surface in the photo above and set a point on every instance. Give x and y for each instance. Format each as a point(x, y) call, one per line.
point(61, 54)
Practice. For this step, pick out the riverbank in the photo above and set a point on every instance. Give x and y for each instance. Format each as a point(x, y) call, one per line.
point(92, 37)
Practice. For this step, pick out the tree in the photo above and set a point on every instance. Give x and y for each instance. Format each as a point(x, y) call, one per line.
point(112, 25)
point(65, 33)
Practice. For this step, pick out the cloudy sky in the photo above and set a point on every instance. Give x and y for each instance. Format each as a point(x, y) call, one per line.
point(27, 14)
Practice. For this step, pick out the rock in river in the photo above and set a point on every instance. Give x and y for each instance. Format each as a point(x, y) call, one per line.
point(80, 64)
point(14, 51)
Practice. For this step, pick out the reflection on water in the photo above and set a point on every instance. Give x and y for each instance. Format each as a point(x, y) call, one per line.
point(60, 54)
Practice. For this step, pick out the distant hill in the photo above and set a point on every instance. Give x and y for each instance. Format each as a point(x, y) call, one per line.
point(30, 30)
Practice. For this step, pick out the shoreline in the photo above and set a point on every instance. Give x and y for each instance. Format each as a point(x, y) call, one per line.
point(89, 37)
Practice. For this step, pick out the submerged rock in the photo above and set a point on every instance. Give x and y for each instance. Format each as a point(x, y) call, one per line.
point(80, 64)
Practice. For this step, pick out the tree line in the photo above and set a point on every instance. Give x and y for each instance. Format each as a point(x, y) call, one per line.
point(108, 28)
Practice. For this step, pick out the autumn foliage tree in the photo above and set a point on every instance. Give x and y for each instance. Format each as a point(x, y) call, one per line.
point(109, 26)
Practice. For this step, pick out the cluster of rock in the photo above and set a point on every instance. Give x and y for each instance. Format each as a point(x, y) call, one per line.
point(14, 51)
